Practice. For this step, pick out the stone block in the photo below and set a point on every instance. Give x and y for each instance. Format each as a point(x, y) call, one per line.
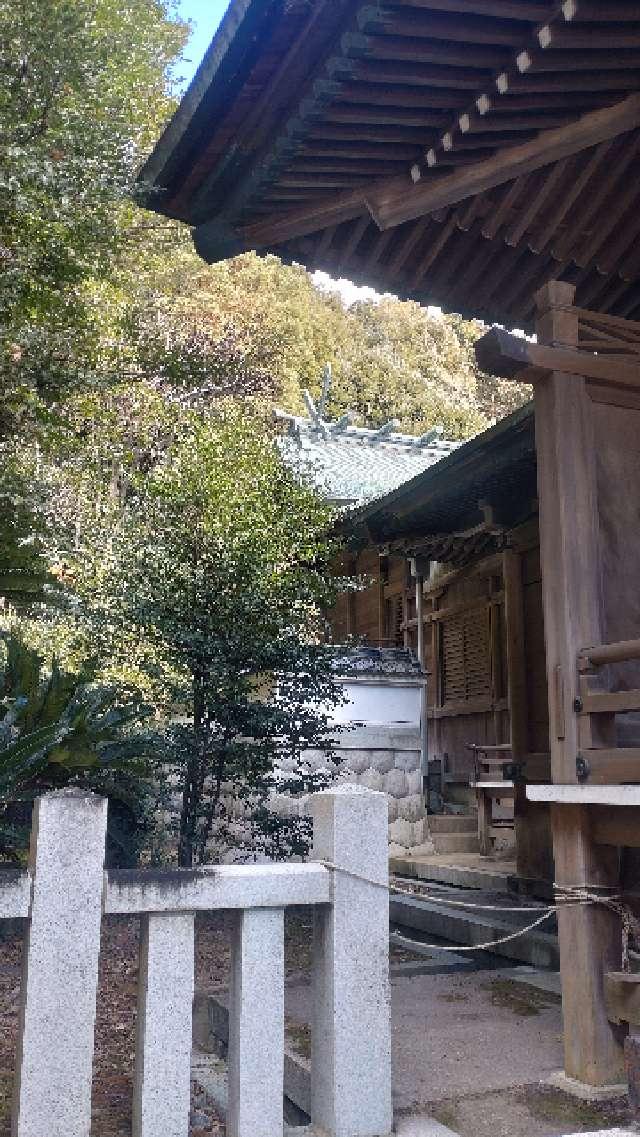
point(401, 833)
point(162, 1090)
point(351, 1023)
point(52, 1094)
point(348, 777)
point(371, 780)
point(291, 765)
point(407, 760)
point(421, 831)
point(382, 760)
point(414, 782)
point(411, 808)
point(256, 1025)
point(395, 783)
point(356, 760)
point(393, 808)
point(313, 760)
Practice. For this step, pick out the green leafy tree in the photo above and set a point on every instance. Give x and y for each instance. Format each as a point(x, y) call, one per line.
point(222, 572)
point(390, 359)
point(84, 91)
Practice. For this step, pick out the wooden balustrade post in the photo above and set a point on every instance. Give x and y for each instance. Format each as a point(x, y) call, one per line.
point(351, 1024)
point(590, 940)
point(52, 1095)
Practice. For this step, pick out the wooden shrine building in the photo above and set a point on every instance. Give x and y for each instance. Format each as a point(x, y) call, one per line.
point(482, 155)
point(455, 552)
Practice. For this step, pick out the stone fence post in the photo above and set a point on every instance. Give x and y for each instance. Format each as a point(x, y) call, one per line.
point(351, 1028)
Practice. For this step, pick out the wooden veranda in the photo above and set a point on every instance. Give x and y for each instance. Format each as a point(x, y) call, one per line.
point(481, 155)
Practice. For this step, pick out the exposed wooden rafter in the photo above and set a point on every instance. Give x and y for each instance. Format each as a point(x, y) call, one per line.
point(395, 200)
point(393, 204)
point(319, 170)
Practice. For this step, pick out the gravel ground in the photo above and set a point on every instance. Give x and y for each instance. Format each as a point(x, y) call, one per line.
point(115, 1024)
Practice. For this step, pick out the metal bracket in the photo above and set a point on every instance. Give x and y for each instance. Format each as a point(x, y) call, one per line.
point(583, 769)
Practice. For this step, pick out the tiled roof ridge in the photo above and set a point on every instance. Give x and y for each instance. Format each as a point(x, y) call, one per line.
point(322, 430)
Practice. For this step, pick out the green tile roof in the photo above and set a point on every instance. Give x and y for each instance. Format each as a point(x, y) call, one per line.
point(352, 465)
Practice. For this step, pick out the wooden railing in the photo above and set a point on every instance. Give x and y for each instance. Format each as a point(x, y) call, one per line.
point(64, 895)
point(600, 759)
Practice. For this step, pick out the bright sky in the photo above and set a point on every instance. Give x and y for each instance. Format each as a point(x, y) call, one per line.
point(205, 15)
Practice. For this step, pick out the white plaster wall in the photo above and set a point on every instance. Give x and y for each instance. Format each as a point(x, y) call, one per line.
point(377, 702)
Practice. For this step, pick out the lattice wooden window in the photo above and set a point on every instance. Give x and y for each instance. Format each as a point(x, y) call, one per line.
point(466, 656)
point(394, 620)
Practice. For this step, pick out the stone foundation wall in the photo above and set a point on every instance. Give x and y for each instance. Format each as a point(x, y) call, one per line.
point(387, 758)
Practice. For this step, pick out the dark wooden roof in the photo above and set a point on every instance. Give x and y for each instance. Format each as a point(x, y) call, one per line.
point(497, 466)
point(458, 152)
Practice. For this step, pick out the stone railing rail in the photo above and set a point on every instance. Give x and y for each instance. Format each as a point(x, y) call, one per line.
point(65, 893)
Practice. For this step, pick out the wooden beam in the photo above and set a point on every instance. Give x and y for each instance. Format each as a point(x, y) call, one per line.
point(501, 353)
point(396, 202)
point(589, 937)
point(565, 36)
point(610, 702)
point(415, 50)
point(537, 61)
point(390, 115)
point(554, 219)
point(528, 215)
point(380, 151)
point(505, 121)
point(497, 9)
point(590, 944)
point(616, 825)
point(380, 21)
point(618, 766)
point(540, 100)
point(412, 75)
point(595, 10)
point(318, 214)
point(596, 79)
point(383, 96)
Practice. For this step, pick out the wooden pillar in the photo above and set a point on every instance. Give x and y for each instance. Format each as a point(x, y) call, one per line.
point(424, 724)
point(484, 824)
point(590, 940)
point(517, 685)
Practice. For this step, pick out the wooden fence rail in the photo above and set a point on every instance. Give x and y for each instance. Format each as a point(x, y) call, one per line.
point(64, 894)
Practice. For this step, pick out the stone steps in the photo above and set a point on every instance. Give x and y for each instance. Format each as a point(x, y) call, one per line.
point(463, 874)
point(468, 927)
point(448, 843)
point(454, 833)
point(453, 823)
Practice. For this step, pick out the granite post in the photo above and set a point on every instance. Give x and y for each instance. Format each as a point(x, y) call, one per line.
point(162, 1088)
point(256, 1025)
point(351, 1027)
point(52, 1093)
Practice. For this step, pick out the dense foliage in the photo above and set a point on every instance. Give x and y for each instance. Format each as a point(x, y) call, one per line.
point(390, 359)
point(193, 568)
point(59, 729)
point(223, 570)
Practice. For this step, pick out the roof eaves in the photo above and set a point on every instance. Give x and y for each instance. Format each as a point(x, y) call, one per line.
point(223, 51)
point(440, 473)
